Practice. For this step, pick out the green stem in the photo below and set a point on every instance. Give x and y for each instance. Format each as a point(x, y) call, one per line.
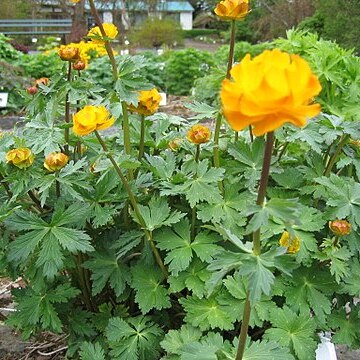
point(216, 153)
point(67, 112)
point(35, 200)
point(344, 139)
point(108, 48)
point(57, 188)
point(142, 137)
point(197, 153)
point(82, 283)
point(244, 329)
point(133, 203)
point(126, 133)
point(231, 49)
point(256, 240)
point(251, 134)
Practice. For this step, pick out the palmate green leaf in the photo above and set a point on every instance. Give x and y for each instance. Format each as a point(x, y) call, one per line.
point(150, 294)
point(206, 313)
point(205, 349)
point(228, 211)
point(235, 300)
point(203, 110)
point(310, 135)
point(105, 268)
point(269, 350)
point(346, 327)
point(174, 340)
point(181, 249)
point(310, 288)
point(199, 184)
point(158, 214)
point(193, 278)
point(351, 283)
point(162, 167)
point(343, 195)
point(295, 331)
point(136, 339)
point(291, 178)
point(91, 351)
point(49, 241)
point(36, 307)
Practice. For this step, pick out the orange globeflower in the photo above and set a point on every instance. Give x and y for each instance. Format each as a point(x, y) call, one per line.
point(91, 118)
point(42, 81)
point(75, 1)
point(55, 161)
point(198, 134)
point(340, 227)
point(292, 244)
point(95, 33)
point(68, 53)
point(149, 101)
point(232, 9)
point(269, 90)
point(20, 157)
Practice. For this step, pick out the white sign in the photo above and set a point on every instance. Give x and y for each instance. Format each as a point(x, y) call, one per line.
point(3, 99)
point(163, 100)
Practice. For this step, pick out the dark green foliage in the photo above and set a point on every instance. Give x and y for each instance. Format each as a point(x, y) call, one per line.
point(184, 67)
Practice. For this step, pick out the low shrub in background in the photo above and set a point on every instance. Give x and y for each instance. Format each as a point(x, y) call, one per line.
point(155, 32)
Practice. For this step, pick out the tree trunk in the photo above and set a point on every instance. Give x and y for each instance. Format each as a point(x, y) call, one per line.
point(79, 23)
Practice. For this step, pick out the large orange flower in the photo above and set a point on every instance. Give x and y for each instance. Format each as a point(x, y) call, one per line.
point(92, 118)
point(232, 9)
point(149, 101)
point(269, 90)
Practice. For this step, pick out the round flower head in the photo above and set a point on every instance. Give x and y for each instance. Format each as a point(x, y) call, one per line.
point(55, 161)
point(292, 244)
point(92, 118)
point(175, 144)
point(20, 157)
point(232, 9)
point(32, 90)
point(340, 227)
point(198, 134)
point(75, 1)
point(148, 102)
point(68, 53)
point(269, 90)
point(96, 36)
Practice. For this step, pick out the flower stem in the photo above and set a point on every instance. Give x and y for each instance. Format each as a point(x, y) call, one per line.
point(142, 137)
point(5, 185)
point(256, 240)
point(108, 48)
point(231, 49)
point(126, 133)
point(67, 112)
point(193, 209)
point(216, 154)
point(344, 139)
point(133, 203)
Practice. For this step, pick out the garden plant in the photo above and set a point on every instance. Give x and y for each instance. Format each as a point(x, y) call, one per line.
point(230, 235)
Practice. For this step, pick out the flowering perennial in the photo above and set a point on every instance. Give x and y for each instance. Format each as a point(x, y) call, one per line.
point(20, 157)
point(149, 101)
point(232, 9)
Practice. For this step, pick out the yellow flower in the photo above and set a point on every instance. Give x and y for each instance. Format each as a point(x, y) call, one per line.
point(149, 101)
point(198, 134)
point(232, 9)
point(95, 33)
point(75, 1)
point(68, 52)
point(55, 161)
point(20, 157)
point(42, 81)
point(269, 90)
point(340, 227)
point(292, 244)
point(91, 118)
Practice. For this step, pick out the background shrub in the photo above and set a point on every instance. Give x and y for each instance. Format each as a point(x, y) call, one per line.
point(184, 67)
point(157, 32)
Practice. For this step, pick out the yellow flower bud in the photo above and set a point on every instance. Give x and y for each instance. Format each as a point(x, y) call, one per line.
point(232, 9)
point(42, 80)
point(149, 101)
point(20, 157)
point(292, 244)
point(199, 134)
point(55, 161)
point(68, 53)
point(340, 227)
point(91, 118)
point(175, 144)
point(95, 33)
